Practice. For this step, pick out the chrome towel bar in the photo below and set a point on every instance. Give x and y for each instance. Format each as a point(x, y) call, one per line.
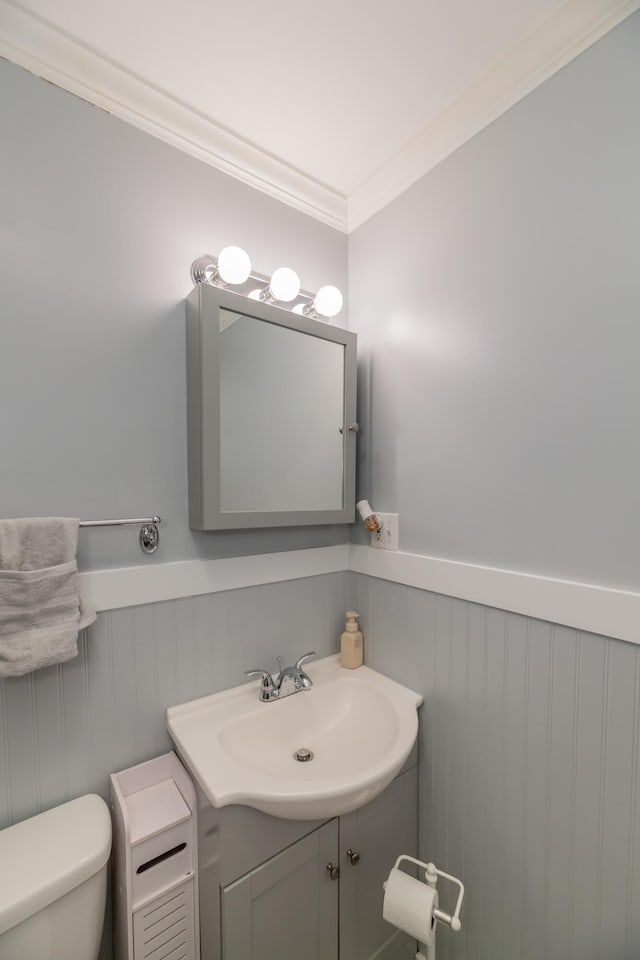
point(149, 533)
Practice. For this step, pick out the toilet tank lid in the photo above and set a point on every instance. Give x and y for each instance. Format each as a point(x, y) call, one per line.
point(43, 858)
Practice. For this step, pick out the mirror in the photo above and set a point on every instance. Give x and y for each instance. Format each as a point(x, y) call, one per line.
point(276, 385)
point(271, 398)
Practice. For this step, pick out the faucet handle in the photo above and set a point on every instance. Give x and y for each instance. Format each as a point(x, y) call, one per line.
point(304, 658)
point(266, 676)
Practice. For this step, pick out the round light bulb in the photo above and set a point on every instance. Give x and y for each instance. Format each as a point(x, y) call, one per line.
point(234, 265)
point(284, 284)
point(328, 301)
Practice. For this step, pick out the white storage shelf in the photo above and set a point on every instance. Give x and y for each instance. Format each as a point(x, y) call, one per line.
point(155, 862)
point(154, 809)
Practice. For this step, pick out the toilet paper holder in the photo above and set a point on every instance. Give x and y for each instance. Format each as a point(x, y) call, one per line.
point(431, 874)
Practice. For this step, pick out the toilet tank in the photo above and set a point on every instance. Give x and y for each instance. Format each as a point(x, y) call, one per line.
point(53, 882)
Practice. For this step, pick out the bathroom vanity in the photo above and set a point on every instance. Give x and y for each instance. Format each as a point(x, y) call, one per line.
point(303, 807)
point(274, 889)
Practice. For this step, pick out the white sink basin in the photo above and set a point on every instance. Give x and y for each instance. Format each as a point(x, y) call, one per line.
point(359, 725)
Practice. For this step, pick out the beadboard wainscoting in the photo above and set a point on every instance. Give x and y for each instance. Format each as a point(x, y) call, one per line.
point(529, 761)
point(529, 745)
point(64, 729)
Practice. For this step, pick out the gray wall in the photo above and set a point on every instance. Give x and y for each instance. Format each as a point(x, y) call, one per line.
point(99, 224)
point(529, 772)
point(497, 303)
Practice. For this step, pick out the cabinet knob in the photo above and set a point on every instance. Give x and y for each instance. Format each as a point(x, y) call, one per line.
point(354, 856)
point(334, 872)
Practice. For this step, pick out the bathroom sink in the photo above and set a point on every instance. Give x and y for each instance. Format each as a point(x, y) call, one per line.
point(358, 725)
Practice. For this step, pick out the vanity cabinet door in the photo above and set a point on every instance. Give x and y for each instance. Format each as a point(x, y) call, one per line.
point(377, 834)
point(286, 908)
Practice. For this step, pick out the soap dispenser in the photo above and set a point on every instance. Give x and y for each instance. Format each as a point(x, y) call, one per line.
point(351, 642)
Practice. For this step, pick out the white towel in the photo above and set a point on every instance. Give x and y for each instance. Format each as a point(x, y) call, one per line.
point(41, 610)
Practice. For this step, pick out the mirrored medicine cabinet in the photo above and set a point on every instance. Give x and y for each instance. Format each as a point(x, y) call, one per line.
point(271, 409)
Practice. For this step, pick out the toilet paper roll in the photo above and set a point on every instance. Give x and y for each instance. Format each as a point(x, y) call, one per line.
point(409, 904)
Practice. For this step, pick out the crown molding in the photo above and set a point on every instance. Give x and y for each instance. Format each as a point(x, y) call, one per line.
point(37, 45)
point(558, 39)
point(51, 53)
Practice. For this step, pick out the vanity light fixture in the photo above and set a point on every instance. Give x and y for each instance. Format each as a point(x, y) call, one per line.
point(233, 268)
point(283, 286)
point(234, 265)
point(327, 303)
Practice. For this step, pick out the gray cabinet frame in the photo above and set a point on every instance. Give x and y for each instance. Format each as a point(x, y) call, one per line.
point(379, 831)
point(265, 915)
point(236, 842)
point(203, 412)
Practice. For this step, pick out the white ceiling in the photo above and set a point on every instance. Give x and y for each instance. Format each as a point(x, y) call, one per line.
point(335, 107)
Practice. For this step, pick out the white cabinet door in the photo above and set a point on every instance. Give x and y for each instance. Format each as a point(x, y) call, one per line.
point(376, 835)
point(287, 908)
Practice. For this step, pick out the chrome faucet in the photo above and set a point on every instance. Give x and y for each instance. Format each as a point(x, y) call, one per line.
point(289, 680)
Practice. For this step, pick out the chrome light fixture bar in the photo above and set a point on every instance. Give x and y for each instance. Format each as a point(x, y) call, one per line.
point(232, 268)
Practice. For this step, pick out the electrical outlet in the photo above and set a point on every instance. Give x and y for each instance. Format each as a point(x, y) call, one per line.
point(387, 538)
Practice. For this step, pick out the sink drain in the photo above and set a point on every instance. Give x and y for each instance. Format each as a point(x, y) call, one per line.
point(303, 755)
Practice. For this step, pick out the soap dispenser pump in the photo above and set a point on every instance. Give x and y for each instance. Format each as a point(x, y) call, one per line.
point(352, 643)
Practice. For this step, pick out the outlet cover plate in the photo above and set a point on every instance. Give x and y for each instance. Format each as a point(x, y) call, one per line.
point(387, 538)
